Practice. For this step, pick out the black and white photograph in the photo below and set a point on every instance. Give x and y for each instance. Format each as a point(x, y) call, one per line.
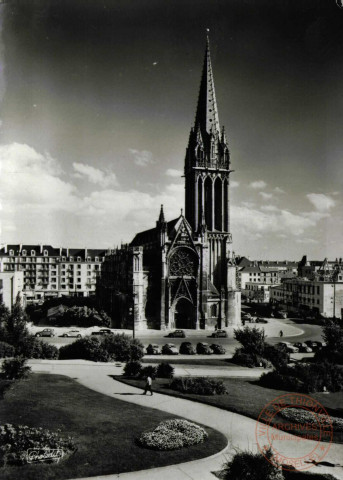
point(171, 231)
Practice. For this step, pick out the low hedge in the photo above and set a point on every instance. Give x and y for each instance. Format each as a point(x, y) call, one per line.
point(173, 435)
point(199, 385)
point(165, 370)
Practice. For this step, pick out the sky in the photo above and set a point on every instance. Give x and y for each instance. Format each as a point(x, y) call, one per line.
point(97, 99)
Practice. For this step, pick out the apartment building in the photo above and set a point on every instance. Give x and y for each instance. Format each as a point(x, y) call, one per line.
point(51, 272)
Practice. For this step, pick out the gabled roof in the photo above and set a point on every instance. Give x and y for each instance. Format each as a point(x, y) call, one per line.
point(150, 236)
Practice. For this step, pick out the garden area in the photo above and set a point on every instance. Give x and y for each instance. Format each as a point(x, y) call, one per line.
point(110, 440)
point(245, 396)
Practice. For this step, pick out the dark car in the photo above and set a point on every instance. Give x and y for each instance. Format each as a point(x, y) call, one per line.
point(169, 349)
point(281, 314)
point(47, 332)
point(153, 349)
point(219, 333)
point(177, 333)
point(288, 347)
point(204, 349)
point(261, 320)
point(217, 349)
point(105, 331)
point(303, 348)
point(314, 345)
point(186, 348)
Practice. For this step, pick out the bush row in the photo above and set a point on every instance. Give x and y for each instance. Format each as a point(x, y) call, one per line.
point(199, 385)
point(305, 378)
point(107, 348)
point(135, 369)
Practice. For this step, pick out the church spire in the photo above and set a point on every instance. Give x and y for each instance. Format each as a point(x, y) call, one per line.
point(161, 217)
point(207, 111)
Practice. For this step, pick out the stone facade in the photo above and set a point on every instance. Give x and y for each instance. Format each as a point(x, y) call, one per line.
point(185, 271)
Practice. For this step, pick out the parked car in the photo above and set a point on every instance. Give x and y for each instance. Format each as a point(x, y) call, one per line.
point(288, 347)
point(186, 348)
point(72, 333)
point(98, 333)
point(303, 348)
point(177, 333)
point(204, 348)
point(281, 314)
point(315, 345)
point(261, 320)
point(217, 349)
point(105, 331)
point(169, 349)
point(47, 332)
point(219, 333)
point(153, 349)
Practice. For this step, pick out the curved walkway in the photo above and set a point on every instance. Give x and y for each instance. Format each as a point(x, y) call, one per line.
point(239, 430)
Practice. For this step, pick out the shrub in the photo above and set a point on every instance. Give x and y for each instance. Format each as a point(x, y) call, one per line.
point(254, 466)
point(16, 440)
point(132, 369)
point(32, 347)
point(281, 382)
point(252, 339)
point(246, 359)
point(198, 385)
point(149, 371)
point(172, 435)
point(277, 356)
point(6, 350)
point(15, 368)
point(165, 370)
point(108, 348)
point(88, 348)
point(82, 317)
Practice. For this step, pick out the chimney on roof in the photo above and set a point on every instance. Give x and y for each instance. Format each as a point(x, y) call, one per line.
point(67, 250)
point(41, 248)
point(5, 248)
point(20, 247)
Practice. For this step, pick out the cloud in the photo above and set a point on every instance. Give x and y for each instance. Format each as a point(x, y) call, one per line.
point(323, 203)
point(234, 184)
point(94, 175)
point(172, 172)
point(258, 184)
point(266, 196)
point(142, 158)
point(278, 190)
point(269, 208)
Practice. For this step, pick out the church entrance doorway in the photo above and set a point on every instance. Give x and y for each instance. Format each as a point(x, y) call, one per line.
point(184, 314)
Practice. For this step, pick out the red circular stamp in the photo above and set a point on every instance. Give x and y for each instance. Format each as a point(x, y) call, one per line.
point(295, 430)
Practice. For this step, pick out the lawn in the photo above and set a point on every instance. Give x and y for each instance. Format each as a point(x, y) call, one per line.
point(246, 397)
point(103, 428)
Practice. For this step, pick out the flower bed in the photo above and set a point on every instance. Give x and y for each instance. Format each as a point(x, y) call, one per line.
point(303, 416)
point(199, 385)
point(20, 444)
point(173, 435)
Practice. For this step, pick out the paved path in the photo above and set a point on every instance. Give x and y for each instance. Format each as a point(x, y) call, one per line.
point(239, 430)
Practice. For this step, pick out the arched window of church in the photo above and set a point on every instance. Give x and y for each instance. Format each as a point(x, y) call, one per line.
point(200, 206)
point(218, 205)
point(214, 311)
point(226, 205)
point(208, 202)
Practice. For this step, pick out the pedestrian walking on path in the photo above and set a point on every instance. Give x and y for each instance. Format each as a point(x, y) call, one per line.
point(281, 334)
point(148, 385)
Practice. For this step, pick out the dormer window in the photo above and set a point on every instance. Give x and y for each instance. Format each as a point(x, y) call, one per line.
point(79, 259)
point(33, 253)
point(88, 259)
point(96, 259)
point(63, 259)
point(11, 252)
point(24, 253)
point(45, 253)
point(71, 259)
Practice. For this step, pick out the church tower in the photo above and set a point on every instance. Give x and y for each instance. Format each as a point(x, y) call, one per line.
point(207, 180)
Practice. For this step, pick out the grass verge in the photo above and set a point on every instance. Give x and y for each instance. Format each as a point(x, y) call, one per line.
point(103, 428)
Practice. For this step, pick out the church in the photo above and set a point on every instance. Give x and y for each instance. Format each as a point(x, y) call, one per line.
point(182, 273)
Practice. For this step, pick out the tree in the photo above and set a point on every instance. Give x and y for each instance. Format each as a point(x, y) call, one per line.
point(252, 340)
point(333, 335)
point(14, 324)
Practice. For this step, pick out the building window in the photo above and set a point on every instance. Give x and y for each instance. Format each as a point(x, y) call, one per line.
point(71, 259)
point(79, 259)
point(96, 259)
point(53, 286)
point(23, 252)
point(45, 253)
point(33, 253)
point(89, 267)
point(11, 252)
point(88, 259)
